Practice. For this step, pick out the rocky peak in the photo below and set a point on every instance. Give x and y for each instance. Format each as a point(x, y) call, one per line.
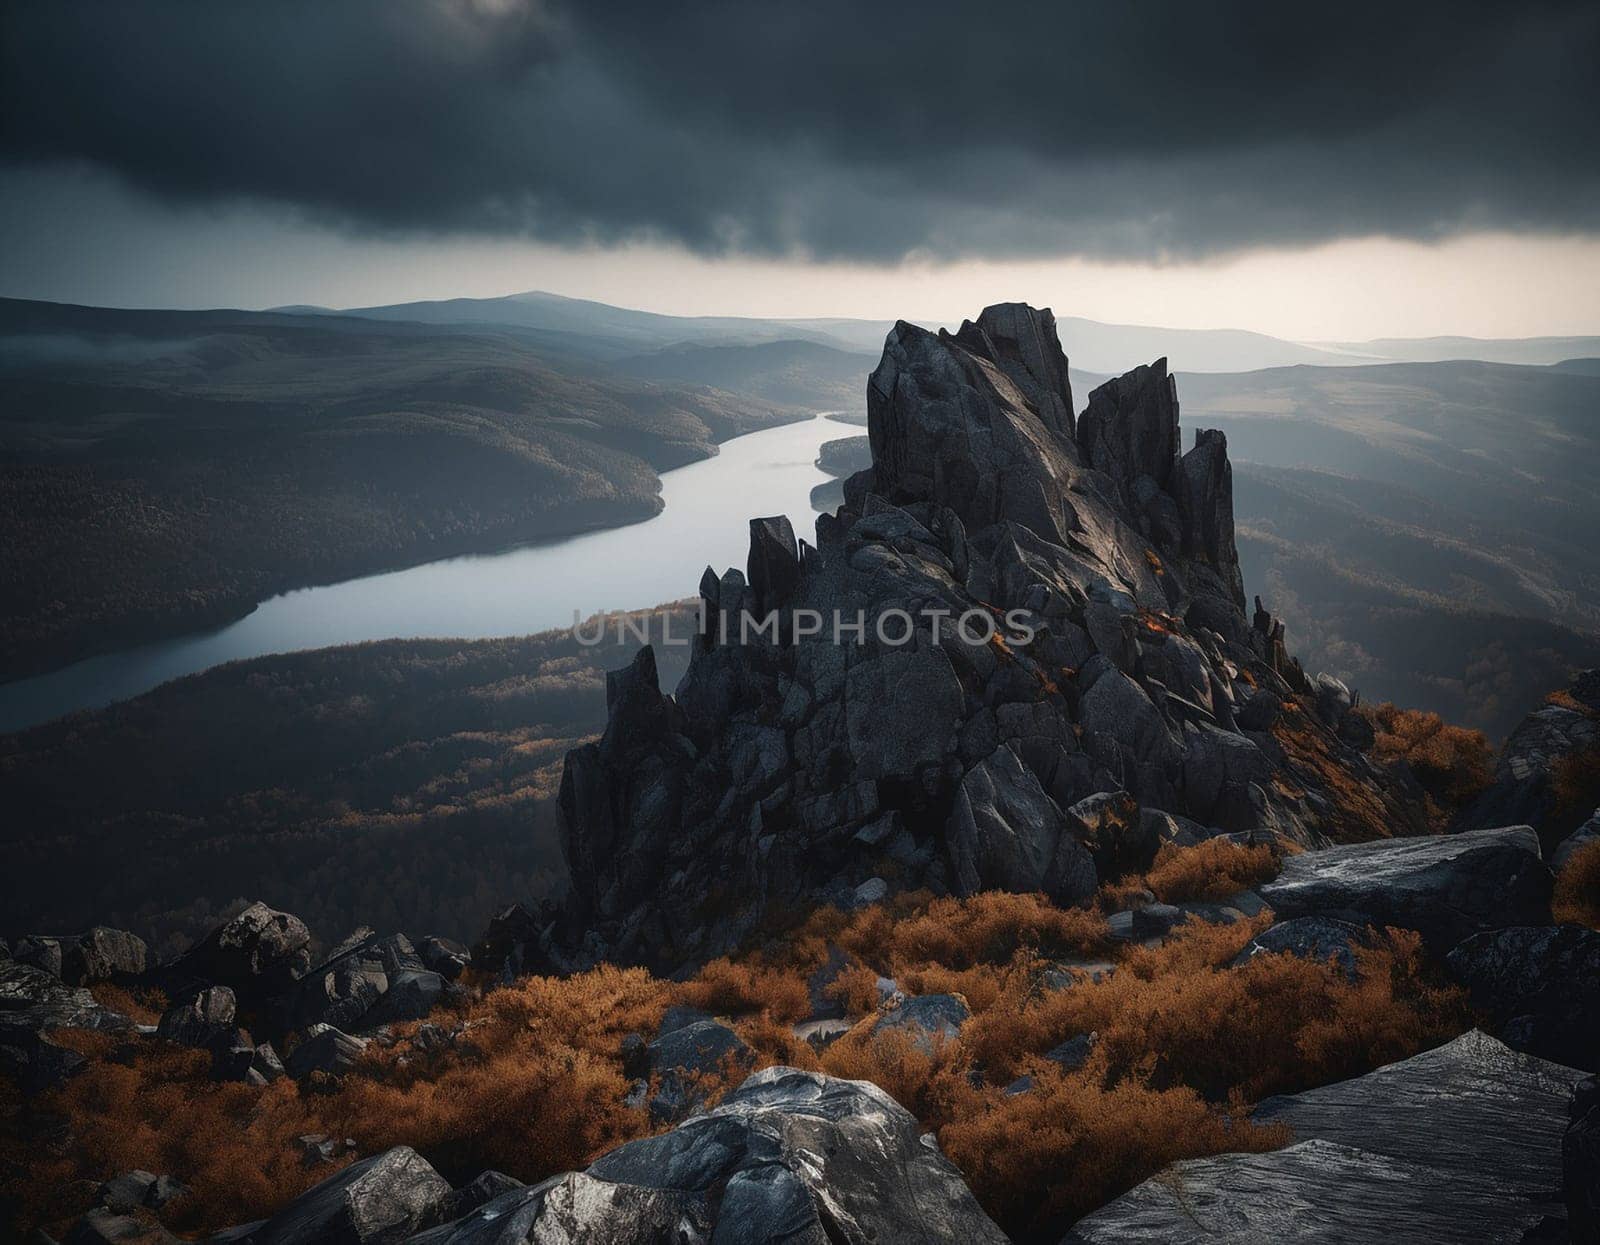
point(1070, 624)
point(1130, 428)
point(1023, 344)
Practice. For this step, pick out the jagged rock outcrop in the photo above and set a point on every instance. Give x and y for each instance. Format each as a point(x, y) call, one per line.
point(1032, 611)
point(1446, 887)
point(1461, 1143)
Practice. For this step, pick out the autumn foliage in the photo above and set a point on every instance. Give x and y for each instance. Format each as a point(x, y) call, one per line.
point(1577, 895)
point(1185, 1043)
point(1451, 763)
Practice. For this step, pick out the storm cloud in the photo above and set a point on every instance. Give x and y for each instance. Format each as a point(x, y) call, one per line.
point(831, 130)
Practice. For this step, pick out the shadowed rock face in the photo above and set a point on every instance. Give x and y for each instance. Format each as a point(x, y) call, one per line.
point(1104, 649)
point(1541, 986)
point(1462, 1143)
point(1563, 733)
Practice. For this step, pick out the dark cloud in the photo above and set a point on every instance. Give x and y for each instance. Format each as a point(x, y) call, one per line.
point(838, 130)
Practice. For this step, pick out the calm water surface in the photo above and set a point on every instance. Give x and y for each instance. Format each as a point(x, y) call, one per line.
point(534, 588)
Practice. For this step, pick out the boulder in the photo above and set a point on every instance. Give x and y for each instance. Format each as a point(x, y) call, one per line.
point(1461, 1143)
point(1316, 938)
point(257, 954)
point(682, 1058)
point(1541, 985)
point(1446, 887)
point(371, 982)
point(1156, 920)
point(34, 1002)
point(1116, 833)
point(378, 1201)
point(788, 1156)
point(928, 1019)
point(103, 954)
point(445, 956)
point(200, 1020)
point(103, 1226)
point(327, 1050)
point(484, 1188)
point(1317, 1191)
point(1074, 1052)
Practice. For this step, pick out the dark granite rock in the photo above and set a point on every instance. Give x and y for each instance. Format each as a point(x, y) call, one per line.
point(1074, 1052)
point(327, 1050)
point(258, 954)
point(109, 1227)
point(1156, 920)
point(368, 982)
point(34, 1002)
point(200, 1020)
point(1316, 938)
point(484, 1188)
point(444, 956)
point(789, 1156)
point(798, 1156)
point(1461, 1143)
point(103, 954)
point(1580, 1163)
point(1541, 985)
point(679, 1058)
point(1071, 628)
point(1313, 1191)
point(1446, 887)
point(378, 1201)
point(1523, 790)
point(928, 1019)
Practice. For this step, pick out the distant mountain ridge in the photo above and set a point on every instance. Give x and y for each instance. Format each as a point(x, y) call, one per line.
point(1097, 346)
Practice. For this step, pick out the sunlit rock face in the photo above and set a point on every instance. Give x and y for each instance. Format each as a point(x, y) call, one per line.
point(1014, 610)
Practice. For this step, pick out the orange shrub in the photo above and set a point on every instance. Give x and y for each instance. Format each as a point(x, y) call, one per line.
point(534, 1085)
point(723, 987)
point(1213, 870)
point(1071, 1144)
point(1451, 763)
point(1577, 896)
point(1575, 783)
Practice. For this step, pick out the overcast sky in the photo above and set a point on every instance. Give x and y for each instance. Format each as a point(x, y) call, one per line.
point(1343, 172)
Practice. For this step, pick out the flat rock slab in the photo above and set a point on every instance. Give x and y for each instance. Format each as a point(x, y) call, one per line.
point(1446, 887)
point(1460, 1143)
point(1316, 1191)
point(1471, 1105)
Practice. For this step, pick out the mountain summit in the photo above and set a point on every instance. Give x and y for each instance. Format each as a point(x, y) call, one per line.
point(1050, 675)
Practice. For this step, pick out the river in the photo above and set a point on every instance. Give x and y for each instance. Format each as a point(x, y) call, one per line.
point(524, 590)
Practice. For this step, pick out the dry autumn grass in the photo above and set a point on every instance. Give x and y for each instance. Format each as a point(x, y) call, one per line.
point(1451, 763)
point(1577, 895)
point(536, 1086)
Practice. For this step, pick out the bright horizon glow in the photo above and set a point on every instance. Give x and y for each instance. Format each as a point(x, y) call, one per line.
point(74, 237)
